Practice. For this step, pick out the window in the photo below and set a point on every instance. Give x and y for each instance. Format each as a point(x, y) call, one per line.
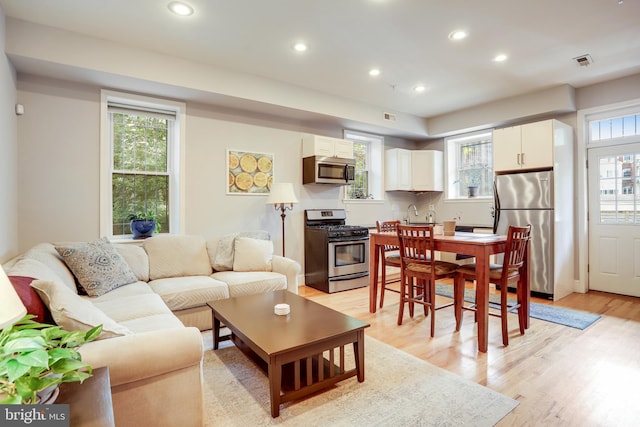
point(619, 177)
point(469, 165)
point(141, 159)
point(616, 127)
point(367, 150)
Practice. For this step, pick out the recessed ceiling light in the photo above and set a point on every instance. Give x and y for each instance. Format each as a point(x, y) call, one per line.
point(374, 72)
point(420, 88)
point(500, 58)
point(458, 35)
point(300, 47)
point(180, 8)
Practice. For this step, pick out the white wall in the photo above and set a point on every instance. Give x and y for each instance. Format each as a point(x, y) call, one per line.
point(9, 155)
point(59, 170)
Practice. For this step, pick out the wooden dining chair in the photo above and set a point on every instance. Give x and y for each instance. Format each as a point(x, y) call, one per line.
point(503, 275)
point(391, 254)
point(420, 270)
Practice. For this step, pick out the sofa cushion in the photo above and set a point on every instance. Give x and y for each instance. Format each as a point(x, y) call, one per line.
point(132, 289)
point(30, 298)
point(74, 313)
point(140, 313)
point(177, 256)
point(221, 251)
point(133, 307)
point(252, 254)
point(97, 265)
point(190, 291)
point(251, 282)
point(46, 254)
point(29, 267)
point(137, 259)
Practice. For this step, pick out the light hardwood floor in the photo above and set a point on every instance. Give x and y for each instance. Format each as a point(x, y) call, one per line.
point(559, 375)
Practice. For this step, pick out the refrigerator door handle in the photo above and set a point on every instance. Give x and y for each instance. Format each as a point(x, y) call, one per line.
point(496, 207)
point(518, 159)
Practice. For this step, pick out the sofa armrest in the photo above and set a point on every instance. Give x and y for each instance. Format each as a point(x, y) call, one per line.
point(289, 268)
point(129, 357)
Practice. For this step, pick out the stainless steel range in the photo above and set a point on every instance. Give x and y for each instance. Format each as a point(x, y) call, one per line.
point(336, 256)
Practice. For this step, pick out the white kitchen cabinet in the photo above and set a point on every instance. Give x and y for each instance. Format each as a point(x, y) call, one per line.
point(530, 146)
point(324, 146)
point(397, 169)
point(413, 170)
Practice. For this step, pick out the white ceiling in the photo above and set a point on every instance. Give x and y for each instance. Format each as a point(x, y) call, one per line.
point(406, 39)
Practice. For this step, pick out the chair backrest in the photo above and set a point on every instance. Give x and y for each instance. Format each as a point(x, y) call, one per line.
point(388, 226)
point(416, 244)
point(517, 240)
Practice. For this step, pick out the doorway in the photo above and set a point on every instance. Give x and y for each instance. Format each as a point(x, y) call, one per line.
point(614, 218)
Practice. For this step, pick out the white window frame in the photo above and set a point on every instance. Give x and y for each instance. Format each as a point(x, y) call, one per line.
point(175, 158)
point(452, 146)
point(375, 153)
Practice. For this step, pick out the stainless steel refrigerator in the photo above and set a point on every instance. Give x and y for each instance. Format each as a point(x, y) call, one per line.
point(528, 198)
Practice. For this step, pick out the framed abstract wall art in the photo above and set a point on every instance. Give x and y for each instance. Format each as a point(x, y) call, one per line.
point(249, 173)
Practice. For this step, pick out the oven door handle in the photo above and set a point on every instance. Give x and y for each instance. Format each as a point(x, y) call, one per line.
point(348, 239)
point(348, 276)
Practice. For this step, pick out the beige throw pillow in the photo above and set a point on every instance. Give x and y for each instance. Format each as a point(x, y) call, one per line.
point(97, 265)
point(252, 254)
point(224, 254)
point(172, 255)
point(75, 313)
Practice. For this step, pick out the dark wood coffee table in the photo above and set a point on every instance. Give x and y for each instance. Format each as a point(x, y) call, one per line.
point(292, 348)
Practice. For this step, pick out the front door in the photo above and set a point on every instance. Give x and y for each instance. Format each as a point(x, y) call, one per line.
point(614, 219)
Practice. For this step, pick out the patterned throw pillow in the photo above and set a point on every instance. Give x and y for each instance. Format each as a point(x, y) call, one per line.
point(97, 265)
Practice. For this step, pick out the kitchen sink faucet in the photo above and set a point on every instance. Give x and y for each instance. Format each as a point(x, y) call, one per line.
point(415, 210)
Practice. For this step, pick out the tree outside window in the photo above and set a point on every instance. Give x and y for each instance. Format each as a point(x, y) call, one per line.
point(368, 152)
point(360, 187)
point(140, 170)
point(470, 166)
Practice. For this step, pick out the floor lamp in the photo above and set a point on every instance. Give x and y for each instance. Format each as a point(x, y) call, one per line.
point(281, 195)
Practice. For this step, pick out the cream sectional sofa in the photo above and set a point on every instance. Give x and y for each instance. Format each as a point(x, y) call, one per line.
point(152, 342)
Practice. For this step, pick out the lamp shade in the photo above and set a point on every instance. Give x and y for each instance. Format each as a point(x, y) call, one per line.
point(11, 307)
point(281, 192)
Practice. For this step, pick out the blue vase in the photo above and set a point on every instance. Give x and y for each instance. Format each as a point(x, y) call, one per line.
point(142, 228)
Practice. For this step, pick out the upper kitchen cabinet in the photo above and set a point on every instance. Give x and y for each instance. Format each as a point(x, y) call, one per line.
point(413, 170)
point(530, 146)
point(324, 146)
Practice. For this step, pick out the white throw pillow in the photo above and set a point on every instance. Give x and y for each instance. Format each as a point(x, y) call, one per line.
point(223, 260)
point(252, 254)
point(73, 312)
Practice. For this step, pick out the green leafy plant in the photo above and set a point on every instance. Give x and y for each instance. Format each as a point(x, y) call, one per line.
point(146, 216)
point(35, 356)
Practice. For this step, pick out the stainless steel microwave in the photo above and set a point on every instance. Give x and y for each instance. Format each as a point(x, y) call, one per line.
point(328, 170)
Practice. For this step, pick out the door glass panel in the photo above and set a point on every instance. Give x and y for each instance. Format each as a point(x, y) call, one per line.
point(619, 188)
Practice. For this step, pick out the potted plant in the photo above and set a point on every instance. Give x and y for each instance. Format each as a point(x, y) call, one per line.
point(35, 358)
point(144, 224)
point(472, 179)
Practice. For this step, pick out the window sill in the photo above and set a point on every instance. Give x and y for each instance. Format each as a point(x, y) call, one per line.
point(125, 240)
point(363, 201)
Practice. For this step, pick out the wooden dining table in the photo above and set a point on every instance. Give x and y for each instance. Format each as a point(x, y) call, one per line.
point(480, 246)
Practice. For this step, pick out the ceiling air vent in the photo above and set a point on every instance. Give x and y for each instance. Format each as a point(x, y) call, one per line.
point(583, 60)
point(389, 116)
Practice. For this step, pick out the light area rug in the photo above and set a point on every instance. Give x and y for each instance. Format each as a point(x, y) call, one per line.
point(549, 313)
point(399, 390)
